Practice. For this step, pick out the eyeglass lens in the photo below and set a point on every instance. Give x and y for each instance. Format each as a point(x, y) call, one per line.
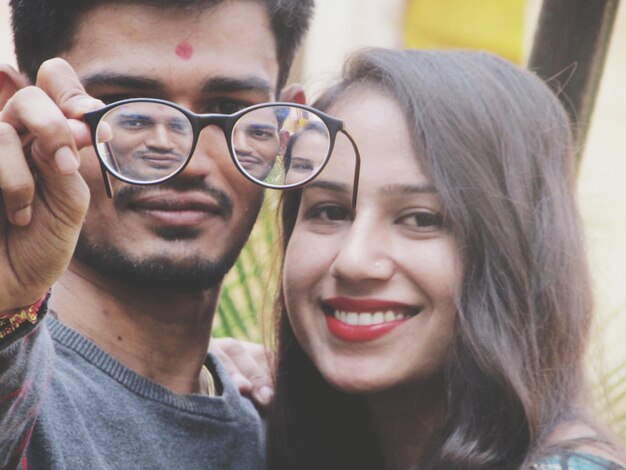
point(275, 145)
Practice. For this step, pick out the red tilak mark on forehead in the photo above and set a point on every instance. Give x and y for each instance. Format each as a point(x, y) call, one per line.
point(184, 50)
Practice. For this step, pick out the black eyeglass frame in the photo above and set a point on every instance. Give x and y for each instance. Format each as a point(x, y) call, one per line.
point(226, 122)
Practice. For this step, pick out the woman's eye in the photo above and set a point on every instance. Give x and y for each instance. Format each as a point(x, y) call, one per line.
point(422, 220)
point(329, 213)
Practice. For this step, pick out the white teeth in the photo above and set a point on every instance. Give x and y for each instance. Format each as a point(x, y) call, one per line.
point(367, 318)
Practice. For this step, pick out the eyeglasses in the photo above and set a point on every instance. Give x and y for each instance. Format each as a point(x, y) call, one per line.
point(276, 145)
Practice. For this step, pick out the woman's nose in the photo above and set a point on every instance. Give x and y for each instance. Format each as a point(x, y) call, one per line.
point(364, 254)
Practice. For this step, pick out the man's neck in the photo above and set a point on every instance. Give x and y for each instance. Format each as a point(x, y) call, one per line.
point(161, 336)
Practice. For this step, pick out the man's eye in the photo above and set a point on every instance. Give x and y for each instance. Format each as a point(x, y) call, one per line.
point(180, 126)
point(134, 122)
point(422, 220)
point(224, 107)
point(260, 133)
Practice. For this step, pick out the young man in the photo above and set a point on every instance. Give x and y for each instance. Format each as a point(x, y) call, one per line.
point(116, 375)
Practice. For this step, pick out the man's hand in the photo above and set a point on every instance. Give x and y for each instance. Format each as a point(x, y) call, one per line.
point(44, 198)
point(249, 368)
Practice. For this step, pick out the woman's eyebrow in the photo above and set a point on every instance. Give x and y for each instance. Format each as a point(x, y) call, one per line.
point(398, 189)
point(329, 186)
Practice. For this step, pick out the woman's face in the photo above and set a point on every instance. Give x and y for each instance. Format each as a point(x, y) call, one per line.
point(370, 293)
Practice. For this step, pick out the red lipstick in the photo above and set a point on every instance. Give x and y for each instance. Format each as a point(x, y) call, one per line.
point(359, 320)
point(359, 333)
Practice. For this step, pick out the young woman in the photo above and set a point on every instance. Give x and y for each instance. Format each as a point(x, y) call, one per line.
point(442, 323)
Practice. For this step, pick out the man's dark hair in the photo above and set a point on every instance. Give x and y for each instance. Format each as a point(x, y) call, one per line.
point(43, 29)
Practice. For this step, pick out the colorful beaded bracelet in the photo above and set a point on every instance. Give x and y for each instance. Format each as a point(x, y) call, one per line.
point(11, 322)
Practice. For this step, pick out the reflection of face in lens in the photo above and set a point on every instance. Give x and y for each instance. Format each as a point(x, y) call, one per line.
point(149, 140)
point(305, 153)
point(256, 141)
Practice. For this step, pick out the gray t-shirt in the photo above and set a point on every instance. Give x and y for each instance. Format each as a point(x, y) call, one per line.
point(75, 407)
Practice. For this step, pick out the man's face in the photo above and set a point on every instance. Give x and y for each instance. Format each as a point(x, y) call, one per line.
point(183, 234)
point(147, 141)
point(256, 142)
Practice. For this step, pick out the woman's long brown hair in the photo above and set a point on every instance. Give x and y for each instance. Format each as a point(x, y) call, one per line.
point(496, 143)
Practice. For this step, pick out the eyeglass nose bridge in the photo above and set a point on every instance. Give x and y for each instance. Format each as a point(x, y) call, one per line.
point(199, 122)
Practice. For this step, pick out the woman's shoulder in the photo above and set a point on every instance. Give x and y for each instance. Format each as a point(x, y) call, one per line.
point(576, 461)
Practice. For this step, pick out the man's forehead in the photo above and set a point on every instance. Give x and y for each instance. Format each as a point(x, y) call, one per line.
point(230, 40)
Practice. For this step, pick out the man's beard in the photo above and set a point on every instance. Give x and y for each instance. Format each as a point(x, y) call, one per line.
point(158, 272)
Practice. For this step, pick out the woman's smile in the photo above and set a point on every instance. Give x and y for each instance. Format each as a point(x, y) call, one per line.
point(354, 319)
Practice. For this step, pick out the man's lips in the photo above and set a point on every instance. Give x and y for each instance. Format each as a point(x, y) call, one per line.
point(177, 209)
point(359, 320)
point(250, 161)
point(161, 161)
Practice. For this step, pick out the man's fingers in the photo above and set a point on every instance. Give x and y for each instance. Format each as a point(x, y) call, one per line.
point(248, 366)
point(80, 132)
point(16, 181)
point(32, 111)
point(58, 79)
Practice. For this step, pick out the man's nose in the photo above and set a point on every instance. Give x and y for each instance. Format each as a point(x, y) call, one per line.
point(211, 150)
point(242, 143)
point(159, 138)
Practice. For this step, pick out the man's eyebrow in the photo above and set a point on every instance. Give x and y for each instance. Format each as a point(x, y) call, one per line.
point(211, 85)
point(261, 125)
point(134, 82)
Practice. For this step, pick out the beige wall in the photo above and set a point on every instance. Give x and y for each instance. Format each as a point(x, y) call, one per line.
point(6, 46)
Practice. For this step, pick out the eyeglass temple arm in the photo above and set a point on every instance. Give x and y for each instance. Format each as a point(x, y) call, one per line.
point(357, 167)
point(106, 181)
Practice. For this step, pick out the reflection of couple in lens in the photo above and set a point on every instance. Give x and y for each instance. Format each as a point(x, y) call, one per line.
point(149, 140)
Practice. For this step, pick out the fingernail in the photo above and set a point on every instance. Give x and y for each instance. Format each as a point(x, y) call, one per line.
point(66, 161)
point(265, 394)
point(22, 216)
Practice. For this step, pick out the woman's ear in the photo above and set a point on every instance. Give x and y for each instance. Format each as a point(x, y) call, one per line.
point(10, 81)
point(294, 93)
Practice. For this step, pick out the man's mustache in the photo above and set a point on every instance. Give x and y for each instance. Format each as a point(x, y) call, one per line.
point(125, 195)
